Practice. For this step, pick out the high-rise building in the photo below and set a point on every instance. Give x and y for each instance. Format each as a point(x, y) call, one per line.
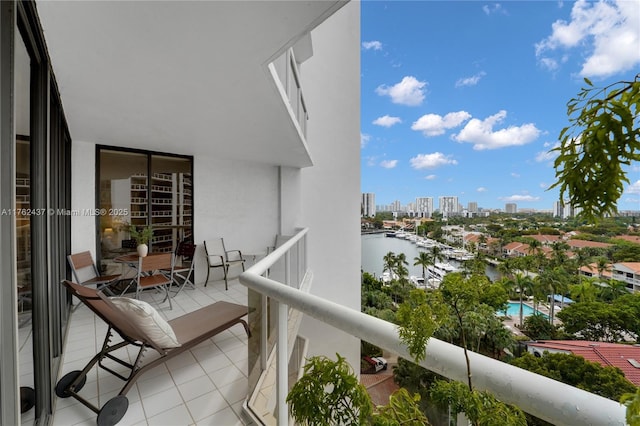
point(472, 207)
point(448, 205)
point(424, 206)
point(368, 204)
point(557, 209)
point(511, 208)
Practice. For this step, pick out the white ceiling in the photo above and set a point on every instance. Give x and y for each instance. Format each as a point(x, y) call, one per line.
point(177, 76)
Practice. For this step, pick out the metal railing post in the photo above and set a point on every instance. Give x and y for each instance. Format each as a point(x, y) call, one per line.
point(282, 376)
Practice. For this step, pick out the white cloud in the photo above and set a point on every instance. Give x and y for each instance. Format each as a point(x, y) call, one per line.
point(434, 124)
point(374, 44)
point(515, 175)
point(470, 81)
point(495, 8)
point(409, 91)
point(364, 138)
point(634, 188)
point(431, 161)
point(481, 134)
point(388, 164)
point(609, 29)
point(386, 121)
point(430, 177)
point(547, 156)
point(482, 189)
point(521, 198)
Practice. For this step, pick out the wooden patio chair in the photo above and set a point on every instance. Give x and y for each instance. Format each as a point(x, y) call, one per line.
point(85, 272)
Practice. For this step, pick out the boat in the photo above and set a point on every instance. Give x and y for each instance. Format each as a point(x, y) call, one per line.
point(440, 269)
point(390, 234)
point(386, 277)
point(420, 282)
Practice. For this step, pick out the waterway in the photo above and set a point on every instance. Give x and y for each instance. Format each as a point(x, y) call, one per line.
point(376, 246)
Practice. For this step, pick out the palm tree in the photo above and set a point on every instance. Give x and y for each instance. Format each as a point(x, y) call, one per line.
point(613, 289)
point(423, 259)
point(585, 291)
point(522, 283)
point(559, 252)
point(602, 264)
point(389, 260)
point(581, 259)
point(554, 280)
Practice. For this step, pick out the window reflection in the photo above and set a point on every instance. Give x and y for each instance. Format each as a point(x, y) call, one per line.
point(23, 228)
point(143, 189)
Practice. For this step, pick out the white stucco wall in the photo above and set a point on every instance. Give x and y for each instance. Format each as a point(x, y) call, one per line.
point(237, 201)
point(331, 188)
point(232, 199)
point(83, 184)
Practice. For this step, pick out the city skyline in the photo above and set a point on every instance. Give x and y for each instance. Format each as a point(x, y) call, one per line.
point(468, 98)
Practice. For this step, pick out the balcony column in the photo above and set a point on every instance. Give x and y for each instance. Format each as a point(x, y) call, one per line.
point(282, 362)
point(281, 366)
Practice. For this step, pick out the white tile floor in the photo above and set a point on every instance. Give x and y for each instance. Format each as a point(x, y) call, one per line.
point(204, 386)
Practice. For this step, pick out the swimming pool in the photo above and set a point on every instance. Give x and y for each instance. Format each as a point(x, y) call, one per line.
point(514, 310)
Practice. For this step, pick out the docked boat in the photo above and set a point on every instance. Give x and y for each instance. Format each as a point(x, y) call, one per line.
point(440, 269)
point(431, 283)
point(386, 277)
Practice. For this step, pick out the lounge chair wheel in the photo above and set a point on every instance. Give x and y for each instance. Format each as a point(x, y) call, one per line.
point(65, 382)
point(27, 398)
point(113, 411)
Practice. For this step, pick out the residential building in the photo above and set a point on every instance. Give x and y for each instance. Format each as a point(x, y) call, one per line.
point(368, 204)
point(472, 207)
point(448, 206)
point(627, 272)
point(511, 208)
point(424, 206)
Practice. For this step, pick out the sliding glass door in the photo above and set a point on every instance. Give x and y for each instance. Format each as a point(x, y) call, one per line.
point(140, 188)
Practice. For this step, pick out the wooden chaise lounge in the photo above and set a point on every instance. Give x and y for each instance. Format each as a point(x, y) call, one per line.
point(145, 332)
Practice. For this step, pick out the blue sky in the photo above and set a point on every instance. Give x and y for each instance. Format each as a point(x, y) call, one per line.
point(466, 98)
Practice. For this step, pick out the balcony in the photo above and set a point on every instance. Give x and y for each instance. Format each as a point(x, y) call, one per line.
point(212, 383)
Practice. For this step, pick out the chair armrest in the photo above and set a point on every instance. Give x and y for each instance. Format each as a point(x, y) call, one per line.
point(234, 255)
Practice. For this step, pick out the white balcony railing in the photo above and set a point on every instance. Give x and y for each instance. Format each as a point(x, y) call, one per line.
point(540, 396)
point(285, 70)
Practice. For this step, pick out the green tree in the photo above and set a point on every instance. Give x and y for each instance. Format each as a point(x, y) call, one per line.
point(585, 291)
point(329, 393)
point(424, 260)
point(573, 370)
point(601, 141)
point(537, 327)
point(522, 284)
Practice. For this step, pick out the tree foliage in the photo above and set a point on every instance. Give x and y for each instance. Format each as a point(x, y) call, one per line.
point(597, 147)
point(573, 370)
point(481, 408)
point(328, 394)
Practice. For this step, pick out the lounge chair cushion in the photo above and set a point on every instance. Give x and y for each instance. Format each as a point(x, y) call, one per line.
point(148, 320)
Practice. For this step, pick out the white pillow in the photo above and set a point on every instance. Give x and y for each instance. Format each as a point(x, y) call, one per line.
point(148, 319)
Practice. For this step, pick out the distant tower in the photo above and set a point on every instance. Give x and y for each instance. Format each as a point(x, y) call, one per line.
point(511, 208)
point(424, 206)
point(472, 207)
point(448, 205)
point(368, 204)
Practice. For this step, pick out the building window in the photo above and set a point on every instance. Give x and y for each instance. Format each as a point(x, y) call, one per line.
point(141, 188)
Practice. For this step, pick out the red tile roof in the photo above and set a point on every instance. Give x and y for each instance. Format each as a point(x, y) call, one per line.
point(583, 243)
point(605, 354)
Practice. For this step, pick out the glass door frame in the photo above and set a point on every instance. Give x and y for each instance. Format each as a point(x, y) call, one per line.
point(149, 172)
